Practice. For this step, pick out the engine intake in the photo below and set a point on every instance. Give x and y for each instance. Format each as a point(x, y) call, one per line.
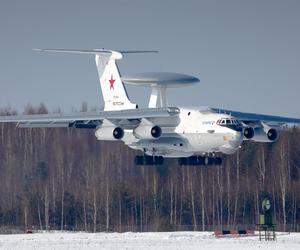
point(148, 132)
point(249, 132)
point(109, 133)
point(118, 133)
point(272, 134)
point(156, 131)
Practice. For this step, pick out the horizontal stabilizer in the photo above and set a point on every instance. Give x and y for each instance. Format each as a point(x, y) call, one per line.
point(96, 51)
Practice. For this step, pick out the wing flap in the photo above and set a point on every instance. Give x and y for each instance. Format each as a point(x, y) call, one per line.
point(42, 125)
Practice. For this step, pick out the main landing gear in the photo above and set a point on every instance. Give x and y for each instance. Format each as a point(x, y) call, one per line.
point(200, 161)
point(147, 160)
point(142, 160)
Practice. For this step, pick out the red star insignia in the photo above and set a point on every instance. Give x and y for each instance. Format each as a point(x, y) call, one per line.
point(111, 81)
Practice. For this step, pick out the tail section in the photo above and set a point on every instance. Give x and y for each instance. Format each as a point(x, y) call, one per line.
point(113, 89)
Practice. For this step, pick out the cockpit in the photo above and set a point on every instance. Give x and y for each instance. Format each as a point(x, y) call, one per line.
point(227, 121)
point(230, 123)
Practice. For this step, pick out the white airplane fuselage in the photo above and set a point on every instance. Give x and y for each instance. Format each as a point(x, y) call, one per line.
point(196, 133)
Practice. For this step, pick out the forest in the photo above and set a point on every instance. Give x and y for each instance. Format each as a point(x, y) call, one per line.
point(65, 179)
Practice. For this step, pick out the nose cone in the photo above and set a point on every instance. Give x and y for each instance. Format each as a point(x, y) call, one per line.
point(236, 139)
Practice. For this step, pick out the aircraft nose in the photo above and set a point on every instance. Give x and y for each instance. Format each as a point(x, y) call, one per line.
point(236, 140)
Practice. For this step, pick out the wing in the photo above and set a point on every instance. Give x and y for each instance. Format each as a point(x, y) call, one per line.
point(258, 118)
point(89, 119)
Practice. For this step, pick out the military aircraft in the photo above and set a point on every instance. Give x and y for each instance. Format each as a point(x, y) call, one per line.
point(196, 136)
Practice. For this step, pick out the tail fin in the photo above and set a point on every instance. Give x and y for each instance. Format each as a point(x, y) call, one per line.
point(113, 89)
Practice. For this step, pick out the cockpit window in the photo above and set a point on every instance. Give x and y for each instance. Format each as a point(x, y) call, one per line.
point(228, 122)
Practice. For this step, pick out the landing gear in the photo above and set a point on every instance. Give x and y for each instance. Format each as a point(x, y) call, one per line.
point(218, 161)
point(183, 161)
point(142, 160)
point(158, 160)
point(147, 160)
point(139, 160)
point(200, 161)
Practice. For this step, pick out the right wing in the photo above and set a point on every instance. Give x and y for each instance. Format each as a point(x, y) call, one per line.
point(254, 118)
point(89, 119)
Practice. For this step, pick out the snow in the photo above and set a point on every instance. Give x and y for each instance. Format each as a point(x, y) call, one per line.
point(143, 241)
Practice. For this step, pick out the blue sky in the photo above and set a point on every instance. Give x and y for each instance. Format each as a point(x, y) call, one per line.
point(246, 53)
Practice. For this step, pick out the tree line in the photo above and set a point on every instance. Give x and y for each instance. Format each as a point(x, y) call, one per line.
point(59, 178)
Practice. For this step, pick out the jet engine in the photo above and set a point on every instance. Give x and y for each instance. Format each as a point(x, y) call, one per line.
point(148, 132)
point(109, 133)
point(266, 134)
point(248, 132)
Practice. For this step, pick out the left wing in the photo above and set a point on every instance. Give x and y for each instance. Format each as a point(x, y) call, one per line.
point(249, 118)
point(87, 119)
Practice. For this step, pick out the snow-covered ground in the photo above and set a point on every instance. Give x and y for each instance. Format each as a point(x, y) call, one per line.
point(143, 241)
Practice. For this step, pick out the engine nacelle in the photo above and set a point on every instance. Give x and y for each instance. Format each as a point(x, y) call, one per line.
point(109, 133)
point(148, 132)
point(248, 133)
point(265, 135)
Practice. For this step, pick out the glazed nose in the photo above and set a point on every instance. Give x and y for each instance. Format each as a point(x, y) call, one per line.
point(239, 135)
point(236, 139)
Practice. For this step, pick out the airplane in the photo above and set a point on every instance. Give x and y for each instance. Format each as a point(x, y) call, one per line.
point(193, 135)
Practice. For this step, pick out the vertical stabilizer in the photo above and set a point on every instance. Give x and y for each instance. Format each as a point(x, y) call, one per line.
point(113, 89)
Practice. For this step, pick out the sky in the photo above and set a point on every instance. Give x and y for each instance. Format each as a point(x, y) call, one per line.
point(245, 53)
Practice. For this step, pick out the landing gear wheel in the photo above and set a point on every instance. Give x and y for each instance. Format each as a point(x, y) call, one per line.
point(218, 161)
point(158, 160)
point(182, 161)
point(208, 161)
point(142, 160)
point(149, 160)
point(139, 160)
point(193, 160)
point(201, 160)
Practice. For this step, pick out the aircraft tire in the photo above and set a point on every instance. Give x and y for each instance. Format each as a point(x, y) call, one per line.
point(218, 161)
point(192, 160)
point(158, 160)
point(183, 161)
point(208, 161)
point(148, 160)
point(138, 160)
point(200, 161)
